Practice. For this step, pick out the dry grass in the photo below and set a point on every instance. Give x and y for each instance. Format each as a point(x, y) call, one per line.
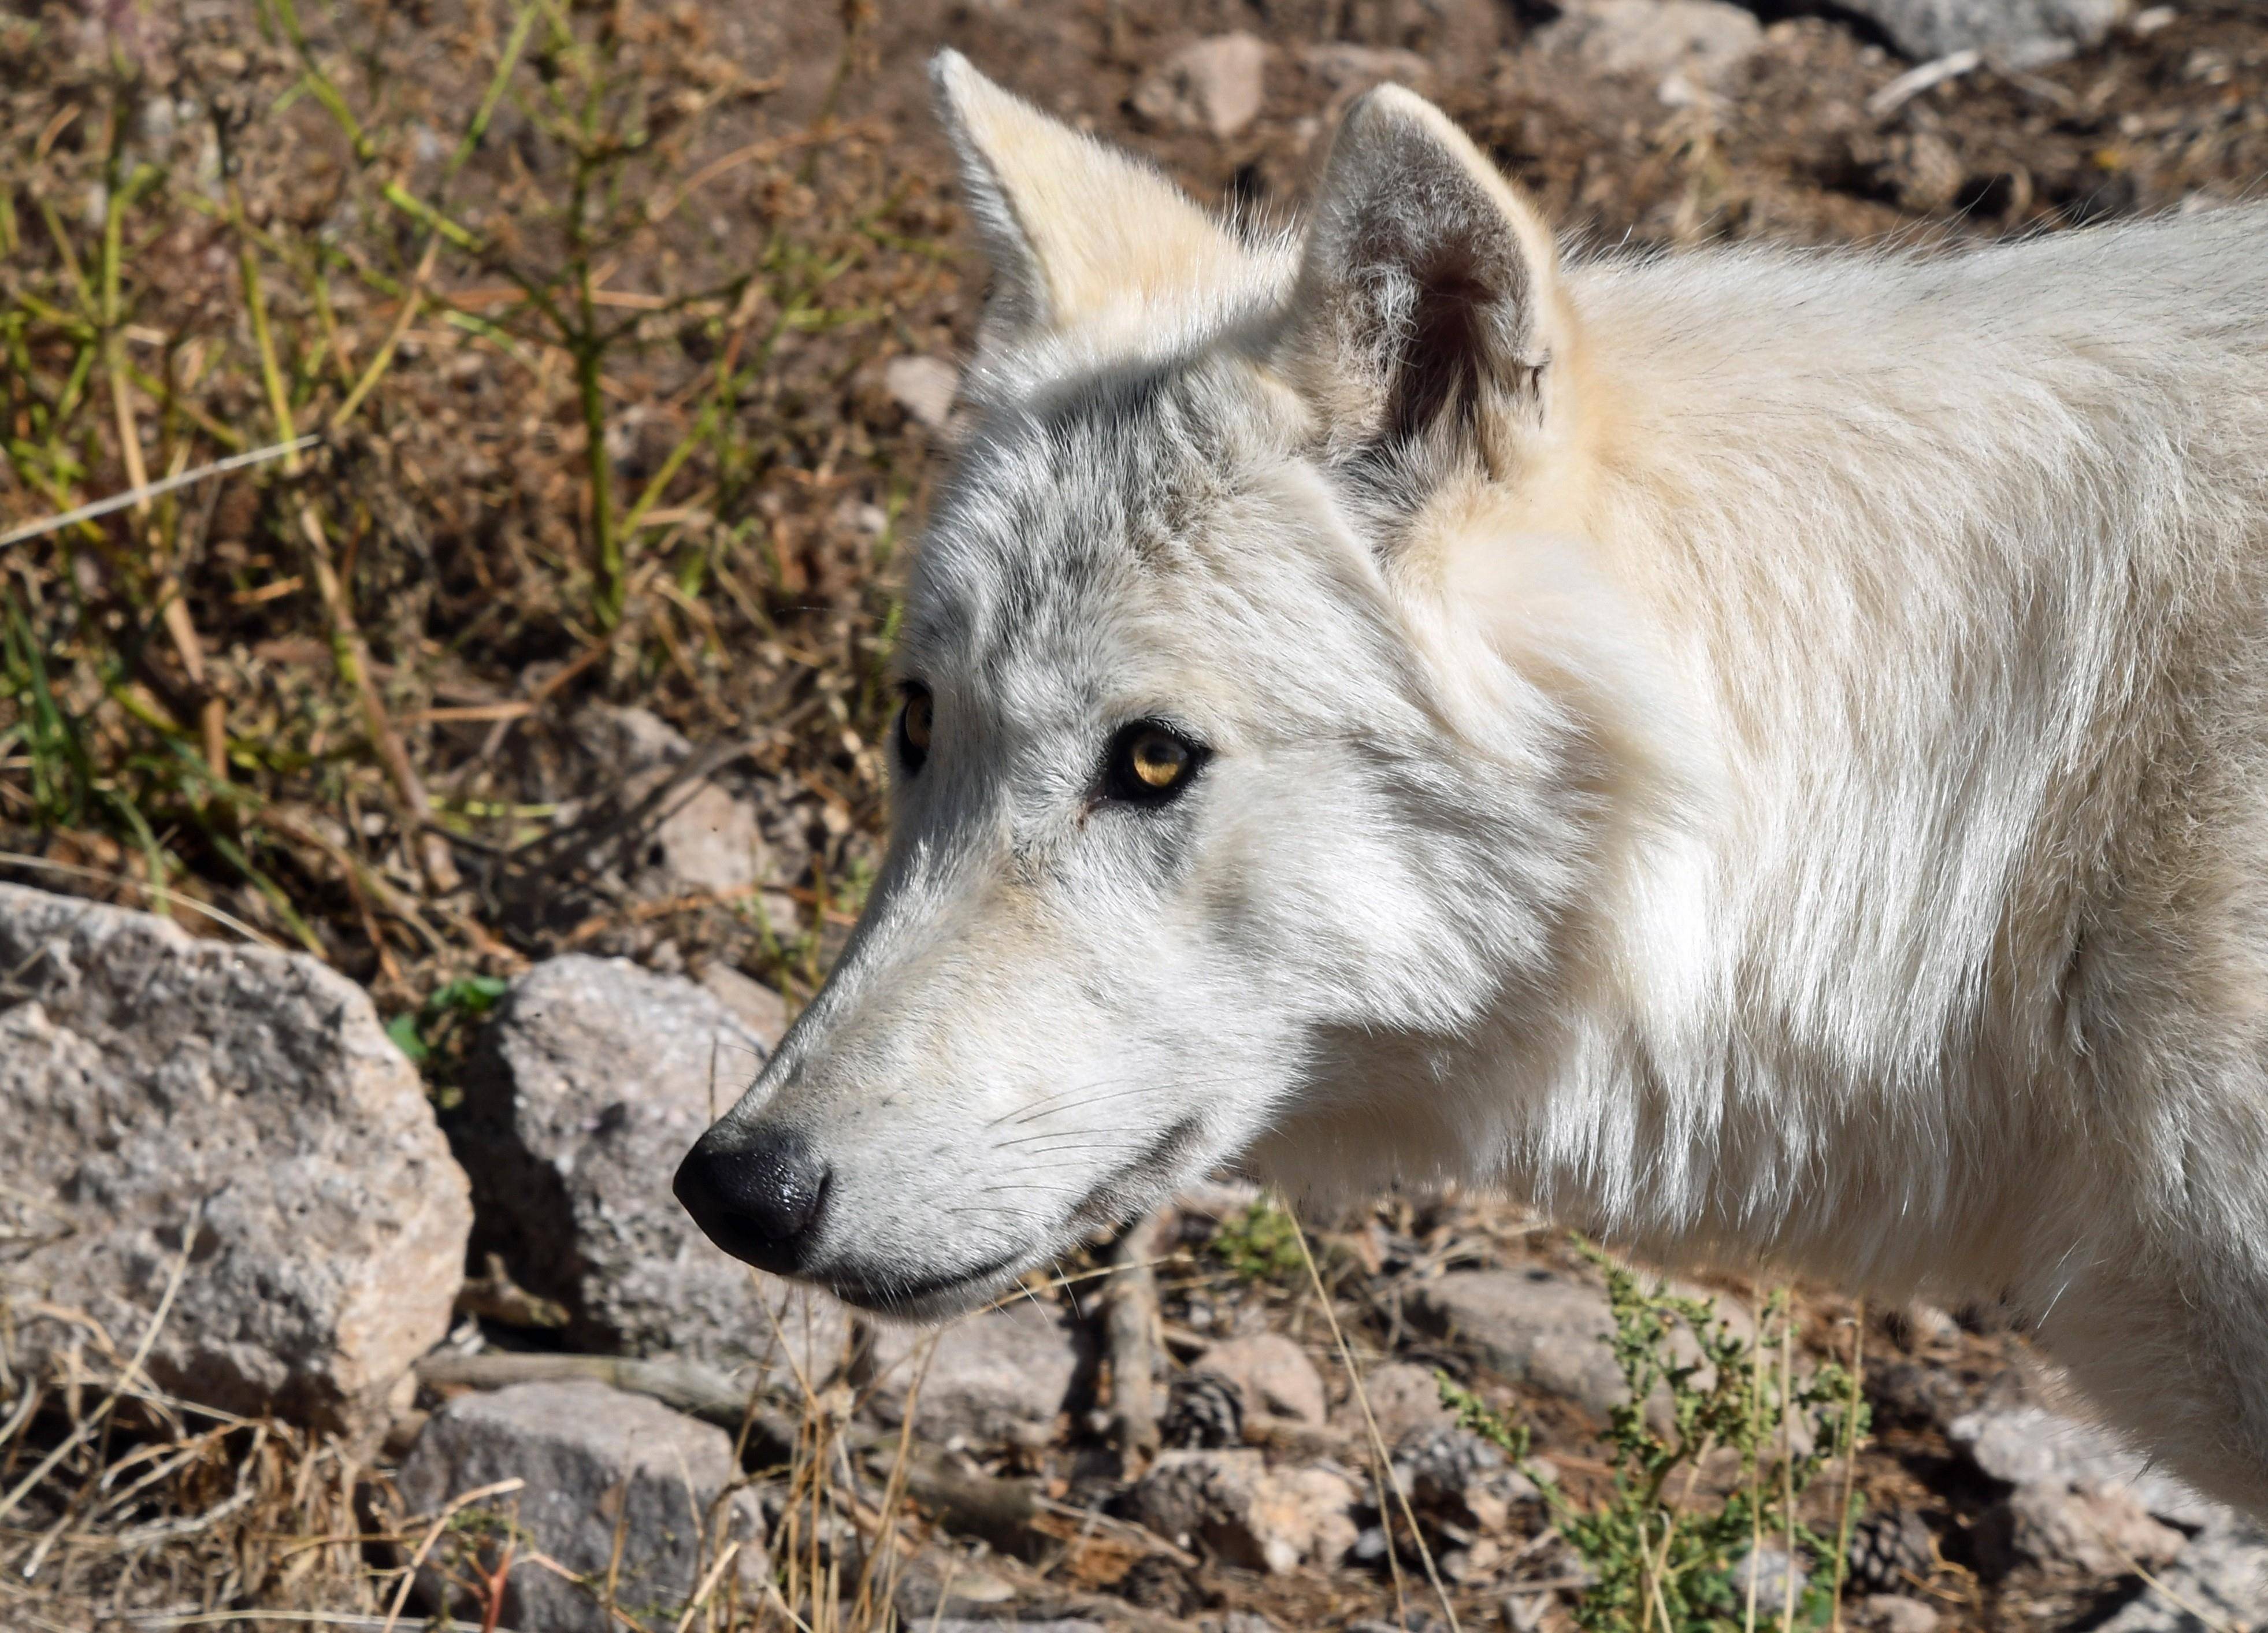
point(588, 336)
point(585, 339)
point(588, 343)
point(123, 1506)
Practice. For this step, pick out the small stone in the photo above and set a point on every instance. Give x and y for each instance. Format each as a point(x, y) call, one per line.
point(150, 1079)
point(1923, 1325)
point(1551, 1331)
point(754, 1006)
point(1922, 169)
point(1274, 1375)
point(693, 836)
point(1768, 1568)
point(1404, 1398)
point(597, 1461)
point(1474, 1561)
point(1155, 1582)
point(1214, 85)
point(1351, 69)
point(1231, 1504)
point(1453, 1474)
point(625, 741)
point(925, 1591)
point(1701, 40)
point(1523, 1612)
point(925, 388)
point(1892, 1613)
point(997, 1378)
point(587, 1087)
point(706, 841)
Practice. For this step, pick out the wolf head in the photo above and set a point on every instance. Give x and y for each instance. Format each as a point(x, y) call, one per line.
point(1260, 760)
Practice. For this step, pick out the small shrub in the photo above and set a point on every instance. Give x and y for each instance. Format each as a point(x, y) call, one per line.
point(1262, 1244)
point(1662, 1551)
point(435, 1034)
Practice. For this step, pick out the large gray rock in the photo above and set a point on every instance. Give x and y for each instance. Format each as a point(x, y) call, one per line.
point(2083, 1498)
point(1535, 1327)
point(1548, 1330)
point(148, 1078)
point(2019, 34)
point(2219, 1582)
point(585, 1091)
point(2096, 1530)
point(998, 1377)
point(596, 1461)
point(2027, 1444)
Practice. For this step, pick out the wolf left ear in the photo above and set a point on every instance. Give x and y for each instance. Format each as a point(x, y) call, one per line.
point(1428, 302)
point(1075, 231)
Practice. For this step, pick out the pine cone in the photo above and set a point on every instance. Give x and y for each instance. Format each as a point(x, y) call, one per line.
point(1438, 1467)
point(1204, 1411)
point(1886, 1549)
point(1156, 1583)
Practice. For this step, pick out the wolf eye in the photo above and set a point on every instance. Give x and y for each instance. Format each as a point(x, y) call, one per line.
point(914, 717)
point(1149, 764)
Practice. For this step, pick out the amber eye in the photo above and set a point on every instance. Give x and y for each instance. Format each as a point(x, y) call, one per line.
point(1150, 764)
point(914, 727)
point(1158, 760)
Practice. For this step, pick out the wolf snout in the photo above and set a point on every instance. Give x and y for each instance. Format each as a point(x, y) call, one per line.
point(759, 1194)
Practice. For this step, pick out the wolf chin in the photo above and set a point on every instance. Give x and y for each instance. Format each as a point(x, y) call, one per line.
point(1761, 754)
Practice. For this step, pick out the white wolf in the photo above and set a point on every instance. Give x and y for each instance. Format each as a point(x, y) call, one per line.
point(1762, 754)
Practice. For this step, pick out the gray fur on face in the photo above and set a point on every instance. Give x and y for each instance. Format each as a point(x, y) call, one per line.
point(1057, 1006)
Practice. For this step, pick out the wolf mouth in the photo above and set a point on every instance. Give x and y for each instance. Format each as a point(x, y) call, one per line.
point(1118, 1197)
point(892, 1295)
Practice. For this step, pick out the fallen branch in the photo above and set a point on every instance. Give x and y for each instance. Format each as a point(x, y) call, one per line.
point(1130, 1334)
point(1914, 81)
point(144, 492)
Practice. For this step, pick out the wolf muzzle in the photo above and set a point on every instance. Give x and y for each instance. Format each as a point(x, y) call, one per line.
point(758, 1193)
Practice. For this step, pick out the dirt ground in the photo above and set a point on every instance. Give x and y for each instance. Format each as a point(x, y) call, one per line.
point(605, 418)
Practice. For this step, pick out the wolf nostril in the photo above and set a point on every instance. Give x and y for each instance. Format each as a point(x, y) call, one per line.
point(758, 1193)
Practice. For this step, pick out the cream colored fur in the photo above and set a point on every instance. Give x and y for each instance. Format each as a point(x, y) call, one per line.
point(1771, 766)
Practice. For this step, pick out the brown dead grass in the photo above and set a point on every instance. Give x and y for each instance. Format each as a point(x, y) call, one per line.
point(598, 399)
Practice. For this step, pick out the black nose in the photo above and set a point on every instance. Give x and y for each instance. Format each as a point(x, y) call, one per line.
point(758, 1193)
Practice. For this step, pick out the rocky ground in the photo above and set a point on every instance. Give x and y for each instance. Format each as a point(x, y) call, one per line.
point(234, 1212)
point(533, 711)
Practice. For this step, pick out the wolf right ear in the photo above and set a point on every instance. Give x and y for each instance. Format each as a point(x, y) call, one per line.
point(1428, 304)
point(1077, 232)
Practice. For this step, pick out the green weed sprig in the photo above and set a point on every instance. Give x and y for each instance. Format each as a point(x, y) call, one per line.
point(1662, 1549)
